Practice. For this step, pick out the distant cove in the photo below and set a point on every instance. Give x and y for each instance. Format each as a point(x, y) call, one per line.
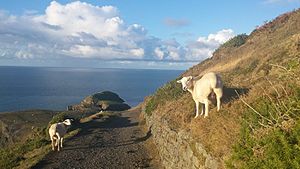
point(24, 88)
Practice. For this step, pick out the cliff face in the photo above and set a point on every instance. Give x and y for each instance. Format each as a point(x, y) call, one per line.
point(178, 148)
point(262, 68)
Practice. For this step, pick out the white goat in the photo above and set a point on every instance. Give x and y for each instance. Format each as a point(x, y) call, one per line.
point(57, 132)
point(202, 88)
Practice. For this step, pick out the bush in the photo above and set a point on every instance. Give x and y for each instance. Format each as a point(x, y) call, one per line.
point(270, 138)
point(169, 91)
point(236, 41)
point(10, 157)
point(58, 118)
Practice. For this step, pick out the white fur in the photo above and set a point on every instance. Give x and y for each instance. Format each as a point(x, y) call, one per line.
point(201, 89)
point(57, 132)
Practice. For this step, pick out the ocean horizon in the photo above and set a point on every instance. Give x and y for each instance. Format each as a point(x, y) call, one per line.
point(54, 88)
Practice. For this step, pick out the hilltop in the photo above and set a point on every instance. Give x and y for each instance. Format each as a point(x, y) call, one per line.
point(261, 103)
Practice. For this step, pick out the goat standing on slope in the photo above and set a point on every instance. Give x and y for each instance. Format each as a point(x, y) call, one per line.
point(57, 132)
point(201, 89)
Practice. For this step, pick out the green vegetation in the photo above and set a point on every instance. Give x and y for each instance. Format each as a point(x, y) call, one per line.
point(169, 91)
point(58, 118)
point(263, 131)
point(106, 100)
point(108, 96)
point(269, 136)
point(293, 64)
point(11, 156)
point(236, 41)
point(247, 68)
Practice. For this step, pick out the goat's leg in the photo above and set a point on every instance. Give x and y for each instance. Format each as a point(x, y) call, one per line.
point(61, 142)
point(219, 94)
point(52, 143)
point(197, 108)
point(58, 142)
point(206, 107)
point(218, 103)
point(202, 109)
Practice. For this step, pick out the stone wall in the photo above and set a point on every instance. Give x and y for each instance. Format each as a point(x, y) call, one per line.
point(177, 149)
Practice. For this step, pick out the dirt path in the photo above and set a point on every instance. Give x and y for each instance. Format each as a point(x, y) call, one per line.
point(114, 144)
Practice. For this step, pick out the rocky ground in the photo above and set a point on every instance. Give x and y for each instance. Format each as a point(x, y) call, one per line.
point(115, 143)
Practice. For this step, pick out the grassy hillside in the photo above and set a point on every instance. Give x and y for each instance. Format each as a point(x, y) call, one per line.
point(24, 136)
point(258, 125)
point(18, 126)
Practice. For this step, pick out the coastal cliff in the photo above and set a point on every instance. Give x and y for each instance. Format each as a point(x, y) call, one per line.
point(258, 123)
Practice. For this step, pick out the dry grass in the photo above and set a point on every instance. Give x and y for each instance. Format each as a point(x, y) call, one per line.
point(269, 55)
point(31, 158)
point(99, 115)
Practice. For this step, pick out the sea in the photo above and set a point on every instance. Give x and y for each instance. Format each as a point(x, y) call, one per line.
point(26, 88)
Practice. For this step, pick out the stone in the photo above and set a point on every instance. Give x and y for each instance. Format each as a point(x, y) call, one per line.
point(105, 100)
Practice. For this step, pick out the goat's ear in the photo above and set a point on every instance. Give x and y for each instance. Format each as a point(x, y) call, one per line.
point(178, 81)
point(190, 77)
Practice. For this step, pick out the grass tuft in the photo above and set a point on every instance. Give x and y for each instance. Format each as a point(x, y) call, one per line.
point(168, 92)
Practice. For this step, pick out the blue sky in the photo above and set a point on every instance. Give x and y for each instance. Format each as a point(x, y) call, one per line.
point(125, 33)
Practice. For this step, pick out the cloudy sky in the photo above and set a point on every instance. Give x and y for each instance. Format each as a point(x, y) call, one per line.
point(156, 34)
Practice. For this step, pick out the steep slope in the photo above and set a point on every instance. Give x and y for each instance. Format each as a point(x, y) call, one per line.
point(261, 94)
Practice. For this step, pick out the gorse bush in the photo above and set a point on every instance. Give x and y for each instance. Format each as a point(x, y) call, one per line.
point(236, 41)
point(269, 137)
point(10, 157)
point(169, 91)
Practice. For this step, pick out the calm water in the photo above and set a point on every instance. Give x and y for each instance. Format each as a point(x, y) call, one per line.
point(54, 88)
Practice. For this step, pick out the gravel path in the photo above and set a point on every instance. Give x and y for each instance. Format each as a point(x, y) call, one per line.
point(118, 143)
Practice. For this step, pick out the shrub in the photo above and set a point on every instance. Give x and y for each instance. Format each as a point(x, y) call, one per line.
point(236, 41)
point(270, 138)
point(10, 157)
point(169, 91)
point(58, 118)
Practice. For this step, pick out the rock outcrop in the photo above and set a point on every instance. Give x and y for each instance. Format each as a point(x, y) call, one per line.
point(106, 100)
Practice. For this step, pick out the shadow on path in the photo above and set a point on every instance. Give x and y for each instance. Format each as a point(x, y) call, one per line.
point(106, 127)
point(100, 141)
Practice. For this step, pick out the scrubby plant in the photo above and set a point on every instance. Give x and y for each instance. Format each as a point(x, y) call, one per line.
point(58, 118)
point(236, 41)
point(10, 157)
point(169, 91)
point(269, 136)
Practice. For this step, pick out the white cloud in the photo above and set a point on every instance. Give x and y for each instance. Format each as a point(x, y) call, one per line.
point(81, 30)
point(205, 46)
point(77, 29)
point(82, 51)
point(218, 38)
point(137, 52)
point(159, 53)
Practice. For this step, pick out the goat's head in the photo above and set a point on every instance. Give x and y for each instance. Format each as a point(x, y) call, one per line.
point(186, 82)
point(68, 122)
